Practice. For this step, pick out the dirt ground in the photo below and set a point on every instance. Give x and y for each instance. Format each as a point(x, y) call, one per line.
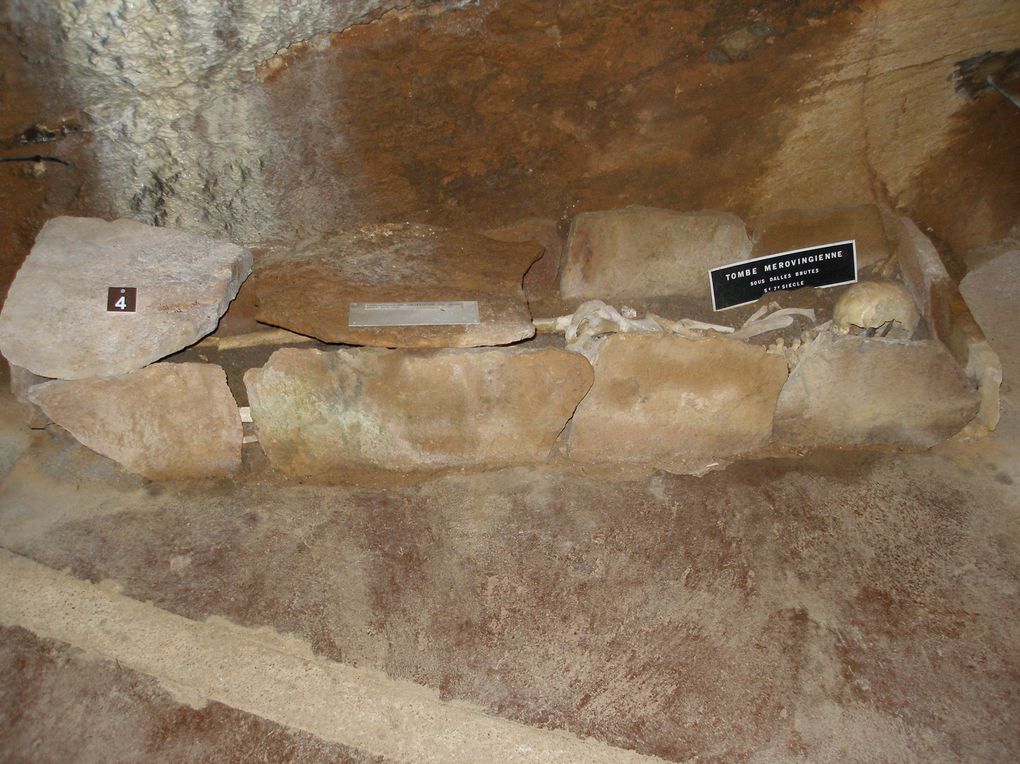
point(835, 607)
point(74, 707)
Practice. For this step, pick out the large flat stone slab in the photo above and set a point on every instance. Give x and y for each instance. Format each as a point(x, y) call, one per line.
point(854, 390)
point(55, 322)
point(992, 291)
point(309, 289)
point(676, 403)
point(643, 253)
point(788, 230)
point(167, 421)
point(947, 314)
point(324, 414)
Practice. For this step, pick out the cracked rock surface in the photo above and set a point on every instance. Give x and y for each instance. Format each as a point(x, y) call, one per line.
point(56, 323)
point(169, 421)
point(325, 414)
point(309, 288)
point(851, 391)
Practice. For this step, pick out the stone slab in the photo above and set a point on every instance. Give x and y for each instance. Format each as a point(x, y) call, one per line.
point(309, 288)
point(167, 421)
point(55, 321)
point(675, 403)
point(325, 414)
point(855, 390)
point(991, 292)
point(640, 253)
point(22, 380)
point(788, 230)
point(947, 314)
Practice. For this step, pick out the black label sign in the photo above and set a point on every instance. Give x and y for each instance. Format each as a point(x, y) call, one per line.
point(823, 266)
point(121, 299)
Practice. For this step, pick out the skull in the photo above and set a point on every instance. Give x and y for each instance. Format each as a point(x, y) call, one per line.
point(870, 305)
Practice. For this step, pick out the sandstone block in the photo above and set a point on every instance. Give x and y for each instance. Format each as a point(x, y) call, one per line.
point(323, 414)
point(643, 253)
point(55, 322)
point(853, 390)
point(22, 380)
point(788, 230)
point(167, 421)
point(675, 403)
point(542, 279)
point(948, 315)
point(309, 289)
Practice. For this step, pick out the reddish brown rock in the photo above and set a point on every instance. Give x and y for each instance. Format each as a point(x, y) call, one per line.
point(324, 414)
point(640, 253)
point(675, 403)
point(310, 288)
point(788, 230)
point(542, 279)
point(854, 390)
point(166, 421)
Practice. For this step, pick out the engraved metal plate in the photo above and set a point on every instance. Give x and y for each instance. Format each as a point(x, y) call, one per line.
point(413, 313)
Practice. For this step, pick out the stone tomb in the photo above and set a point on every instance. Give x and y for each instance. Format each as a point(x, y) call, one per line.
point(683, 394)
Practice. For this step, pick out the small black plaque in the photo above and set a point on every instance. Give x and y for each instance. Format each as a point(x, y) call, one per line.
point(826, 265)
point(121, 299)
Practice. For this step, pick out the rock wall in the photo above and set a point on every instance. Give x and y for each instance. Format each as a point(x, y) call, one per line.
point(181, 132)
point(251, 119)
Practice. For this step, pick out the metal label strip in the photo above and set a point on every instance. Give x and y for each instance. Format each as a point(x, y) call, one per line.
point(451, 313)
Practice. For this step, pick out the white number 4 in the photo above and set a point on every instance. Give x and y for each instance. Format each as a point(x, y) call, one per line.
point(121, 303)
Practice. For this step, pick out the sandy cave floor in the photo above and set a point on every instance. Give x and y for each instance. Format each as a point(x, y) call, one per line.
point(836, 607)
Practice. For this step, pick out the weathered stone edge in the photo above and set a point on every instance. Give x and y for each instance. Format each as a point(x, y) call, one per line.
point(943, 307)
point(37, 418)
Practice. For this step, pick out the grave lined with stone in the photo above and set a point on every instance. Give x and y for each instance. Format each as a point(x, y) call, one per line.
point(407, 349)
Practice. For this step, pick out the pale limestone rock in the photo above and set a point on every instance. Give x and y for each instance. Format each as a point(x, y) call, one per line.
point(854, 390)
point(676, 403)
point(167, 421)
point(991, 294)
point(55, 321)
point(872, 304)
point(309, 288)
point(326, 414)
point(185, 137)
point(22, 380)
point(643, 253)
